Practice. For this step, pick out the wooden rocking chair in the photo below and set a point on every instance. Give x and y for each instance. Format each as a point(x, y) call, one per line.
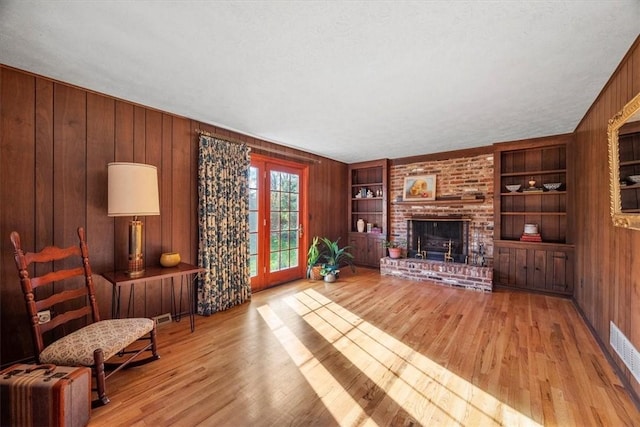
point(72, 304)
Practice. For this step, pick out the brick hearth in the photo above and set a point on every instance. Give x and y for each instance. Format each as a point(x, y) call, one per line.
point(450, 274)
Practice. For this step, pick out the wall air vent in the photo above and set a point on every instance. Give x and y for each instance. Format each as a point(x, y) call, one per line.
point(627, 352)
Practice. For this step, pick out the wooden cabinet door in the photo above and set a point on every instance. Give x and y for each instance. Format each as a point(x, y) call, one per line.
point(375, 251)
point(358, 243)
point(537, 273)
point(501, 264)
point(519, 267)
point(560, 271)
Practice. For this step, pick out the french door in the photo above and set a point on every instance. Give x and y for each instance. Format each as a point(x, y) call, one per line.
point(277, 204)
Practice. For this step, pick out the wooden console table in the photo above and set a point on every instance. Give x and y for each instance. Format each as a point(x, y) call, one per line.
point(186, 272)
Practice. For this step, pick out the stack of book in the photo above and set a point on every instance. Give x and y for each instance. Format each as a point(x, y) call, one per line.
point(527, 237)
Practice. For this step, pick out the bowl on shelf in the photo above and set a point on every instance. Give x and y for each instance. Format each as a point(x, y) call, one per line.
point(552, 185)
point(634, 178)
point(513, 188)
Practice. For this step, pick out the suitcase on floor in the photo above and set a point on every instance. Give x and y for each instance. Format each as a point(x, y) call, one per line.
point(45, 395)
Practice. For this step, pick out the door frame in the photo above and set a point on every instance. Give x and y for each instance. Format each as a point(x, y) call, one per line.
point(264, 279)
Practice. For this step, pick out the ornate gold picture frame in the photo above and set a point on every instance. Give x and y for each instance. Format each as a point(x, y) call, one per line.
point(627, 217)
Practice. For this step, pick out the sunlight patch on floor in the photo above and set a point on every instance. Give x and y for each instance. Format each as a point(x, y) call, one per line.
point(425, 390)
point(335, 398)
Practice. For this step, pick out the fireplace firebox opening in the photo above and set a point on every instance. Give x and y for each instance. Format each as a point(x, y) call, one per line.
point(438, 238)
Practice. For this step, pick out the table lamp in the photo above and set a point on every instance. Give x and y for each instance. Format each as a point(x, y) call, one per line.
point(133, 191)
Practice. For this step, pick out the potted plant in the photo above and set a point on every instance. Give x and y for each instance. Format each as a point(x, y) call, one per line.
point(334, 257)
point(394, 247)
point(313, 260)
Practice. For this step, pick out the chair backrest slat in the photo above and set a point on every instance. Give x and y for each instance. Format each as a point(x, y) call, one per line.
point(55, 276)
point(51, 253)
point(65, 318)
point(67, 295)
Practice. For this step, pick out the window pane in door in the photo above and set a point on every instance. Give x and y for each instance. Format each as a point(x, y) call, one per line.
point(284, 220)
point(253, 221)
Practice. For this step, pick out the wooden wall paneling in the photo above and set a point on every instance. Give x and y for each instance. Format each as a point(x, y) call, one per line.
point(123, 153)
point(153, 224)
point(181, 181)
point(165, 188)
point(192, 141)
point(69, 171)
point(17, 190)
point(44, 158)
point(139, 156)
point(99, 228)
point(607, 289)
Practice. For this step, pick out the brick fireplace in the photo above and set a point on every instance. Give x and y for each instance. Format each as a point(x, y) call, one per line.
point(450, 274)
point(472, 239)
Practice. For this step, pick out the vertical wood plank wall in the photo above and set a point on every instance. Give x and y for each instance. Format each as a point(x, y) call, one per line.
point(56, 141)
point(607, 257)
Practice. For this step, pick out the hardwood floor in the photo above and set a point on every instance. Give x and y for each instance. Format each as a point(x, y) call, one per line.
point(372, 350)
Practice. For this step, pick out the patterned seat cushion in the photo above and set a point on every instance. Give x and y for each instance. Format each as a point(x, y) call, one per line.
point(110, 335)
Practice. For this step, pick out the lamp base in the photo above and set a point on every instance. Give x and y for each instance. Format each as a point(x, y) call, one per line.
point(134, 274)
point(136, 259)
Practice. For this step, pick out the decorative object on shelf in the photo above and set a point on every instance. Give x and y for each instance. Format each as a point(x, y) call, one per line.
point(360, 224)
point(419, 187)
point(532, 187)
point(634, 178)
point(379, 193)
point(169, 259)
point(530, 237)
point(133, 191)
point(370, 194)
point(363, 192)
point(513, 188)
point(369, 227)
point(552, 186)
point(531, 233)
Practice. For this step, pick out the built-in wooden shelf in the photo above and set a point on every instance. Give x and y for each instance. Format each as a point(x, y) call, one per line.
point(629, 187)
point(534, 193)
point(533, 213)
point(441, 201)
point(535, 172)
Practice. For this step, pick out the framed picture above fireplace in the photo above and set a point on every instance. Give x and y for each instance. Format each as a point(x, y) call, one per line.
point(419, 187)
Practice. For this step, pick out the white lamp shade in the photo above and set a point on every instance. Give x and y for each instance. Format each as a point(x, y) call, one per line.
point(133, 189)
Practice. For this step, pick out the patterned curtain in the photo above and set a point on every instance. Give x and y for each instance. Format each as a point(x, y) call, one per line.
point(223, 217)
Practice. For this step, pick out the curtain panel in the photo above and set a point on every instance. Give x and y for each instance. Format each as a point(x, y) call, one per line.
point(223, 216)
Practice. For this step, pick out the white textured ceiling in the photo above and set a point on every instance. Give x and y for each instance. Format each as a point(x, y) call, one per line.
point(350, 80)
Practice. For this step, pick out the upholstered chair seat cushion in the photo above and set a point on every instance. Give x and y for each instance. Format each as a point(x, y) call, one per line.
point(110, 335)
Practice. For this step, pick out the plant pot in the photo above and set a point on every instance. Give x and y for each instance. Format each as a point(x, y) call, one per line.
point(315, 272)
point(330, 277)
point(395, 252)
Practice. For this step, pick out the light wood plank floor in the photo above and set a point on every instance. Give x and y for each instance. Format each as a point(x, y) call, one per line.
point(372, 350)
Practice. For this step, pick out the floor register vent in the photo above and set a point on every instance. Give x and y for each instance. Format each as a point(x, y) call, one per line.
point(627, 352)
